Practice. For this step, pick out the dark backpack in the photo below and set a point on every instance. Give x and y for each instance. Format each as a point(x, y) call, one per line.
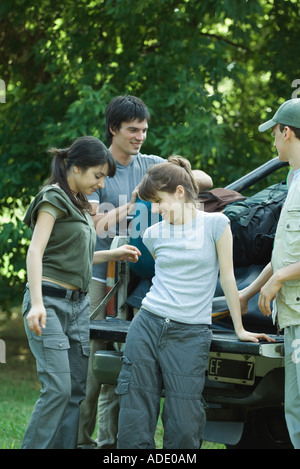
point(253, 225)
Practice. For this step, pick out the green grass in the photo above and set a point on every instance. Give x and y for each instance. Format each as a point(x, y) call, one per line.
point(19, 386)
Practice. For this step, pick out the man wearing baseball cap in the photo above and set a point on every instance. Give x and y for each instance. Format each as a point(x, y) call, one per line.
point(288, 114)
point(280, 280)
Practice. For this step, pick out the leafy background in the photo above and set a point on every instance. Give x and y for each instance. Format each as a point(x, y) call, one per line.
point(210, 71)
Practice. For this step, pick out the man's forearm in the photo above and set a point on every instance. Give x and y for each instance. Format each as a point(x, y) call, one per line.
point(258, 283)
point(288, 273)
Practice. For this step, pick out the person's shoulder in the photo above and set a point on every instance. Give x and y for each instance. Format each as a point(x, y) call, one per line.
point(150, 159)
point(214, 217)
point(153, 230)
point(54, 195)
point(51, 194)
point(47, 192)
point(52, 191)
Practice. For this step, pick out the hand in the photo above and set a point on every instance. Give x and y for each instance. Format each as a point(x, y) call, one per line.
point(36, 319)
point(126, 253)
point(246, 336)
point(267, 294)
point(132, 201)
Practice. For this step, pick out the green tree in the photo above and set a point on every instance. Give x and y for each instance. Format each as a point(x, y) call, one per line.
point(209, 71)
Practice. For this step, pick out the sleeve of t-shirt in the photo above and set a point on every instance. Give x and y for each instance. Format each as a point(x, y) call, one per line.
point(149, 239)
point(155, 158)
point(53, 197)
point(159, 159)
point(49, 208)
point(220, 223)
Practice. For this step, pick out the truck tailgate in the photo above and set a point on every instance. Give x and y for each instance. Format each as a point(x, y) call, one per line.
point(115, 330)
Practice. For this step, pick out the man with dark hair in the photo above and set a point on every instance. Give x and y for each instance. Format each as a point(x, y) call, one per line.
point(124, 109)
point(127, 119)
point(280, 280)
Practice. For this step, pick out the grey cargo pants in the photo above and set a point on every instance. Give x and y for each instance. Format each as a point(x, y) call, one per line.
point(162, 354)
point(61, 355)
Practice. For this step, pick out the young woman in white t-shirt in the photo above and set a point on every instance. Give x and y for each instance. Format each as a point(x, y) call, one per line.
point(169, 339)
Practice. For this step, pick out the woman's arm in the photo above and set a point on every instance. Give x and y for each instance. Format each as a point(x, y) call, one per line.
point(228, 284)
point(36, 317)
point(254, 287)
point(123, 253)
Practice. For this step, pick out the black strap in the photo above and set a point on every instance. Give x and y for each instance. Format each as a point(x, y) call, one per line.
point(61, 292)
point(55, 292)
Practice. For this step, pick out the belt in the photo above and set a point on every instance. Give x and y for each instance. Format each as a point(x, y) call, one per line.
point(62, 293)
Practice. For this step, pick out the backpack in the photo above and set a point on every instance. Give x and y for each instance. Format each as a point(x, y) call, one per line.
point(253, 225)
point(216, 199)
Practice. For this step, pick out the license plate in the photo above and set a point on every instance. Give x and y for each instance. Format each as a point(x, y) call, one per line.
point(235, 370)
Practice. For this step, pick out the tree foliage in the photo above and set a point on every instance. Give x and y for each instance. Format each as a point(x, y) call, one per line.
point(210, 71)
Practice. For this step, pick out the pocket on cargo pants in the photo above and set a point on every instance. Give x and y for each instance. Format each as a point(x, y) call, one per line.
point(139, 388)
point(51, 348)
point(136, 421)
point(124, 376)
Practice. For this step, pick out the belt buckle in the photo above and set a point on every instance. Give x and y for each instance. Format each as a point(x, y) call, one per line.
point(75, 295)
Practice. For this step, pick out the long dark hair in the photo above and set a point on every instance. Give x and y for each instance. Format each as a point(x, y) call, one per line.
point(124, 109)
point(85, 152)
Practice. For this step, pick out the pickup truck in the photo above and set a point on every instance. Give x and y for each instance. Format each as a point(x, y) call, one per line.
point(244, 390)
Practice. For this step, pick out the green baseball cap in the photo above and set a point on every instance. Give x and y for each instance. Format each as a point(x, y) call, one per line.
point(287, 114)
